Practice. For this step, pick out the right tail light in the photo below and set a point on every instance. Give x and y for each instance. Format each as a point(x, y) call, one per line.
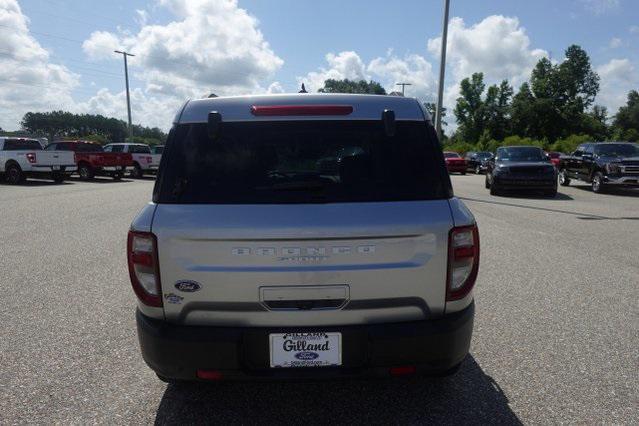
point(144, 271)
point(463, 261)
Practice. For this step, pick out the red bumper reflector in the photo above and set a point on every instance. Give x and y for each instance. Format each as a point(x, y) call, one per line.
point(403, 371)
point(275, 110)
point(209, 374)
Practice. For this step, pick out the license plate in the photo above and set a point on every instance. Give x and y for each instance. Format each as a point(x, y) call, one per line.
point(55, 167)
point(317, 349)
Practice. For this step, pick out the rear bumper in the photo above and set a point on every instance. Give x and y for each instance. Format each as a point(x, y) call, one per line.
point(432, 346)
point(115, 169)
point(457, 168)
point(35, 169)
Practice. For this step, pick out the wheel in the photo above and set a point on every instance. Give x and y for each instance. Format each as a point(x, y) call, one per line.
point(494, 190)
point(137, 171)
point(14, 175)
point(563, 178)
point(486, 182)
point(85, 171)
point(117, 176)
point(551, 193)
point(477, 170)
point(464, 172)
point(598, 185)
point(58, 177)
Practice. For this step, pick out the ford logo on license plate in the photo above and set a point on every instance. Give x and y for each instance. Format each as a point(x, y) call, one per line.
point(304, 356)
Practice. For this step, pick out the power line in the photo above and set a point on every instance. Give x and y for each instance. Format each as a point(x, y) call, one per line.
point(44, 34)
point(106, 74)
point(44, 86)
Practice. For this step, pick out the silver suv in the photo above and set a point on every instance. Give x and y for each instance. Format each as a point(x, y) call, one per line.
point(301, 236)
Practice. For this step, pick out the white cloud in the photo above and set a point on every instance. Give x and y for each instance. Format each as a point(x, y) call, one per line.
point(387, 70)
point(28, 80)
point(101, 44)
point(614, 43)
point(341, 66)
point(498, 46)
point(618, 77)
point(151, 111)
point(599, 7)
point(212, 46)
point(634, 29)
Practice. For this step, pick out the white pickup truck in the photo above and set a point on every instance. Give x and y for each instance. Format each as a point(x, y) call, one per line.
point(144, 161)
point(21, 158)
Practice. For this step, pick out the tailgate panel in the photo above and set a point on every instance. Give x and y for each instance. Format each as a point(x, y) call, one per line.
point(389, 257)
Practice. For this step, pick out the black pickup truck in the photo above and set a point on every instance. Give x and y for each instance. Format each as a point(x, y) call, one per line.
point(602, 165)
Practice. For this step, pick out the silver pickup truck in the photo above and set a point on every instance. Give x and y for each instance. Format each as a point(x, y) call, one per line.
point(308, 235)
point(21, 158)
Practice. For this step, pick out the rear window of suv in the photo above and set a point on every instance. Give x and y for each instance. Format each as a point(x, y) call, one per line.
point(301, 162)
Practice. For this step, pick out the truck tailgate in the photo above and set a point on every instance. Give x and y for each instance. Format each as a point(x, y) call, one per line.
point(304, 264)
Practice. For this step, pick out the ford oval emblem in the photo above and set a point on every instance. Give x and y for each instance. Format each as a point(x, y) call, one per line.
point(307, 356)
point(188, 286)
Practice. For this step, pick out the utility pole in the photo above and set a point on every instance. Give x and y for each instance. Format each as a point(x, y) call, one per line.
point(128, 98)
point(403, 85)
point(442, 69)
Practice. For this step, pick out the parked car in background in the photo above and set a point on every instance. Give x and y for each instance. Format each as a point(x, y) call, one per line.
point(276, 227)
point(157, 149)
point(144, 161)
point(21, 158)
point(521, 168)
point(91, 159)
point(477, 161)
point(555, 157)
point(454, 163)
point(602, 165)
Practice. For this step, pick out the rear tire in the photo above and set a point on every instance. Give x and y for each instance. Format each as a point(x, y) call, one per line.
point(86, 172)
point(552, 193)
point(117, 176)
point(598, 185)
point(137, 171)
point(58, 177)
point(486, 182)
point(563, 178)
point(463, 173)
point(14, 174)
point(494, 190)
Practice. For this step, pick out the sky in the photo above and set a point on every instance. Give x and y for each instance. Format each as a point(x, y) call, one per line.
point(58, 54)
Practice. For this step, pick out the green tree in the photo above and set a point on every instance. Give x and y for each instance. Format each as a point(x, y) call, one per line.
point(497, 110)
point(352, 86)
point(469, 110)
point(555, 103)
point(431, 108)
point(626, 122)
point(65, 124)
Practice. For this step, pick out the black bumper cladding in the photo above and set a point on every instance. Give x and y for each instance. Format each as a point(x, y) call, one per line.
point(432, 346)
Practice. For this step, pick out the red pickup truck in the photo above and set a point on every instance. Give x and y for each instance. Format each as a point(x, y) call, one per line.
point(92, 161)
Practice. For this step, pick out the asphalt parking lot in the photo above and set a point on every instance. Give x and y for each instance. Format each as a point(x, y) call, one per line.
point(556, 332)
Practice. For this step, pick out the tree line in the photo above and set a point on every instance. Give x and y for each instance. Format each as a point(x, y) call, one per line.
point(61, 124)
point(554, 110)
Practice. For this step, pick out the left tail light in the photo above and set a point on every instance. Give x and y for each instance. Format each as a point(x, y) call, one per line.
point(463, 261)
point(31, 157)
point(144, 270)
